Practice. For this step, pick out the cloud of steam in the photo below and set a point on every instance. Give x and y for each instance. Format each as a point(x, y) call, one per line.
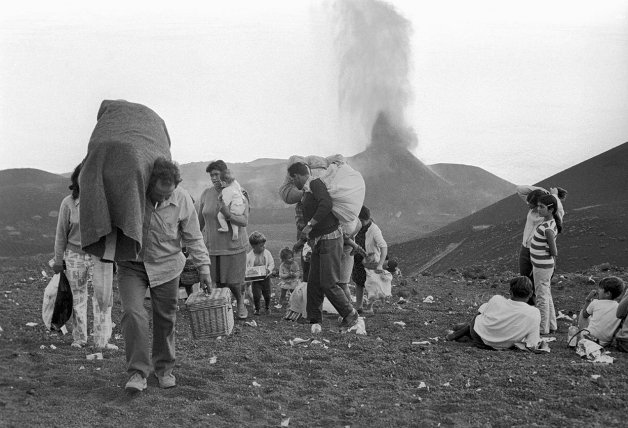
point(373, 50)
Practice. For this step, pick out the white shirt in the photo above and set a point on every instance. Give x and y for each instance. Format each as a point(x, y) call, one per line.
point(263, 259)
point(503, 322)
point(603, 321)
point(374, 242)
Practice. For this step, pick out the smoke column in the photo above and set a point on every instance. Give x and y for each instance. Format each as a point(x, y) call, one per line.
point(373, 51)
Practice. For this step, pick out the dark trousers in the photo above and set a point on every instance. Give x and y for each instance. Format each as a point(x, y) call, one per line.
point(261, 288)
point(305, 268)
point(323, 280)
point(469, 331)
point(525, 269)
point(132, 283)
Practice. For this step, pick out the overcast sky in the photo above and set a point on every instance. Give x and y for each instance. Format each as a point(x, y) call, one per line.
point(523, 89)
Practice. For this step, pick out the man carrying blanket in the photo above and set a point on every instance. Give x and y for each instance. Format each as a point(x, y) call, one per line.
point(170, 221)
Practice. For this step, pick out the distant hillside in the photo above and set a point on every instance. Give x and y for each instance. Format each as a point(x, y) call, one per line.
point(408, 198)
point(28, 216)
point(596, 227)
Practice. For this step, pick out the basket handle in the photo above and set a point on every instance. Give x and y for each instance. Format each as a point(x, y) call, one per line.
point(207, 290)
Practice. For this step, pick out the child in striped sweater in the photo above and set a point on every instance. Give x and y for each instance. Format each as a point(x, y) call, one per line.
point(543, 253)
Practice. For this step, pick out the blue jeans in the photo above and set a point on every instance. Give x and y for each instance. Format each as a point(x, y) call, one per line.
point(133, 281)
point(323, 280)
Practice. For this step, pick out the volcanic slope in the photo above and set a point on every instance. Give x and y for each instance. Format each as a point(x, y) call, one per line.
point(595, 224)
point(28, 217)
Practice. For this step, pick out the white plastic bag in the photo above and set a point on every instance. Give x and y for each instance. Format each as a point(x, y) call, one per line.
point(378, 285)
point(298, 299)
point(328, 307)
point(589, 349)
point(344, 184)
point(574, 334)
point(347, 190)
point(50, 295)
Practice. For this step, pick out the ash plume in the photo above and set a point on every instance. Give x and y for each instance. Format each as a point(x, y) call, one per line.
point(373, 51)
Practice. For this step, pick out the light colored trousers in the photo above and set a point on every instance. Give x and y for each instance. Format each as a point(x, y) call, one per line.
point(81, 269)
point(544, 300)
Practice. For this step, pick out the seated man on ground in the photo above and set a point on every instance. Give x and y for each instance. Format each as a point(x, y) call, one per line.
point(503, 322)
point(598, 316)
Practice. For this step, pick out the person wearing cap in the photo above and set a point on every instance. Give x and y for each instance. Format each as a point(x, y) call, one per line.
point(325, 237)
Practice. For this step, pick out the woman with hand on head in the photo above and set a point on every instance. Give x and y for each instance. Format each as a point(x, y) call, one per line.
point(531, 195)
point(543, 253)
point(228, 256)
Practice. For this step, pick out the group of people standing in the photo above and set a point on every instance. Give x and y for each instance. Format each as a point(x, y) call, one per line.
point(171, 222)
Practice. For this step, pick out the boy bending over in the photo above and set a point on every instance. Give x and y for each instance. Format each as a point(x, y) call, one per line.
point(503, 322)
point(599, 314)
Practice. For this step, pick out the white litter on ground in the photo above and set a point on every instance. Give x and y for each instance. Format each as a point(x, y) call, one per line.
point(428, 299)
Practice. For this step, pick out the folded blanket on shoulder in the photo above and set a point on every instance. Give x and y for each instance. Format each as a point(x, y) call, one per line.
point(127, 139)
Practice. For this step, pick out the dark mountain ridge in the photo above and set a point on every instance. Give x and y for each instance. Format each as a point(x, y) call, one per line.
point(407, 198)
point(595, 227)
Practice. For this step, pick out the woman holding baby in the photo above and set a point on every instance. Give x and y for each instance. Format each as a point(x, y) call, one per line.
point(227, 250)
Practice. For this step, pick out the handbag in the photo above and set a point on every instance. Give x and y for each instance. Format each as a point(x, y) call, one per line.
point(63, 304)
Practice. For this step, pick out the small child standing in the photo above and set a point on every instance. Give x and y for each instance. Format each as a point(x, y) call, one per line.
point(233, 198)
point(260, 256)
point(598, 316)
point(288, 272)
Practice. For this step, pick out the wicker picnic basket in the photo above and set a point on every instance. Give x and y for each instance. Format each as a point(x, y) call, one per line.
point(211, 315)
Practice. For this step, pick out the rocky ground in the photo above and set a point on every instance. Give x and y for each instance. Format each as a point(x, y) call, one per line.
point(402, 373)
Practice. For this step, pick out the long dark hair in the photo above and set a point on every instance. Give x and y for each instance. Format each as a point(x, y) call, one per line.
point(74, 187)
point(551, 203)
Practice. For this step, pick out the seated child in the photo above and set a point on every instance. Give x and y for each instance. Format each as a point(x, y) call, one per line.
point(503, 322)
point(288, 272)
point(599, 314)
point(391, 265)
point(233, 198)
point(621, 338)
point(260, 256)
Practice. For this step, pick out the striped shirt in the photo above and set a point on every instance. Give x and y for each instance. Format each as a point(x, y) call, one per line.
point(539, 248)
